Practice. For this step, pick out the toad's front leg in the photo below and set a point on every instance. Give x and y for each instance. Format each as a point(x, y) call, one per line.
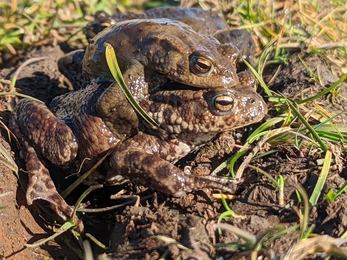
point(41, 133)
point(141, 160)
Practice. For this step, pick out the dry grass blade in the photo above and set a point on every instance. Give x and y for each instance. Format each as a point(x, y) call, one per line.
point(9, 193)
point(7, 160)
point(20, 68)
point(250, 238)
point(19, 95)
point(314, 245)
point(6, 157)
point(304, 216)
point(169, 240)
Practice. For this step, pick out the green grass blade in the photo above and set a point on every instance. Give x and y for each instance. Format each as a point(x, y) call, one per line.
point(67, 226)
point(308, 126)
point(268, 176)
point(259, 132)
point(326, 91)
point(331, 196)
point(322, 178)
point(83, 177)
point(267, 236)
point(332, 137)
point(84, 194)
point(342, 189)
point(340, 127)
point(259, 78)
point(116, 73)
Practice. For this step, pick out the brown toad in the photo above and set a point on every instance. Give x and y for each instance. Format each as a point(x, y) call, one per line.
point(206, 22)
point(79, 125)
point(152, 52)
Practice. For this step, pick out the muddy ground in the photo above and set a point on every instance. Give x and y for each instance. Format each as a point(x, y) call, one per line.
point(132, 231)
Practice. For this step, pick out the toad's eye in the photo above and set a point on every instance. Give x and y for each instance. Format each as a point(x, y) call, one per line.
point(200, 65)
point(223, 103)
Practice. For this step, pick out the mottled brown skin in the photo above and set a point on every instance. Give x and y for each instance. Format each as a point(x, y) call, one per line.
point(75, 128)
point(153, 51)
point(207, 22)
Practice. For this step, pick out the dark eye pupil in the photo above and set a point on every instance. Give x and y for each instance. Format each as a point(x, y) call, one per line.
point(200, 65)
point(203, 64)
point(224, 103)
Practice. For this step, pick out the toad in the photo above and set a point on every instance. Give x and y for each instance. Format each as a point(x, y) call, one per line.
point(80, 125)
point(206, 22)
point(152, 52)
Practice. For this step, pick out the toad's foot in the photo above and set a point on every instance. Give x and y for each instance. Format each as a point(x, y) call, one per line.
point(41, 186)
point(143, 167)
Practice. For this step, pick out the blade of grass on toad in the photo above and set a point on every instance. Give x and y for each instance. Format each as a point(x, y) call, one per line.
point(117, 74)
